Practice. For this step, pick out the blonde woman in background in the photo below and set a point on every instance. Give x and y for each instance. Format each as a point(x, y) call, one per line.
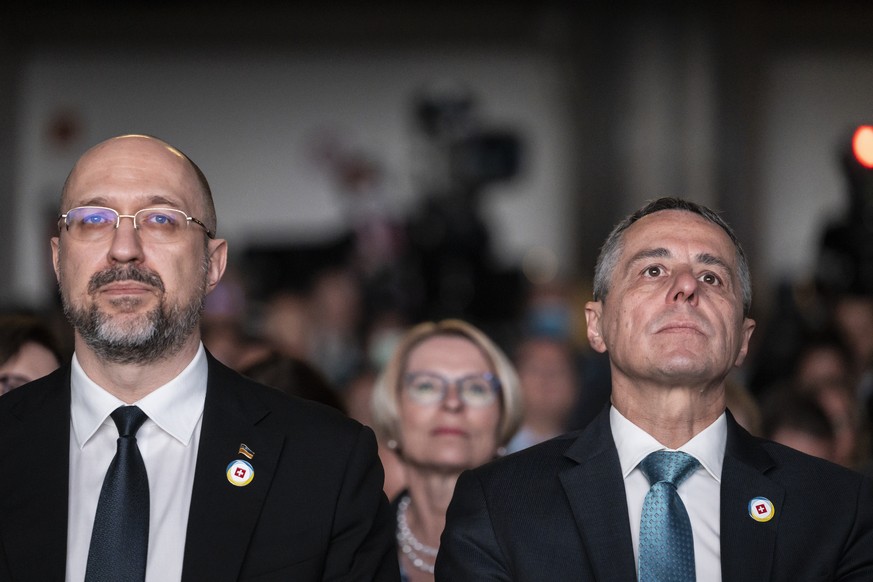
point(448, 400)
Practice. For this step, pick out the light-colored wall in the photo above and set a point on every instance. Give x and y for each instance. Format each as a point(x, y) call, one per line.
point(249, 121)
point(811, 102)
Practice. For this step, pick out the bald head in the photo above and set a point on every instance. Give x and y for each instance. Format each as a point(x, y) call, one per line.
point(128, 159)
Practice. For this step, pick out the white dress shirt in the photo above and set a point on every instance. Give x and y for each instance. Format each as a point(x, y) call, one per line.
point(700, 492)
point(168, 441)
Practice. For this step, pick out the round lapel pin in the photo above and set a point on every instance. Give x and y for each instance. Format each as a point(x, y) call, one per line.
point(240, 473)
point(761, 509)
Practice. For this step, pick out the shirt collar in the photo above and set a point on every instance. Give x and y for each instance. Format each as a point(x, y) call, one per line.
point(634, 444)
point(175, 407)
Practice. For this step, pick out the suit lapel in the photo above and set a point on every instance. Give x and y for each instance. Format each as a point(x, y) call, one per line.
point(223, 516)
point(36, 450)
point(747, 545)
point(595, 490)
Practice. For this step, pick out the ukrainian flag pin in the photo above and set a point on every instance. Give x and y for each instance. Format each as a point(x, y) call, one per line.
point(761, 509)
point(240, 473)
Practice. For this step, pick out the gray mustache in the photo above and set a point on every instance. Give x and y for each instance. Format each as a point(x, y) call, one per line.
point(129, 273)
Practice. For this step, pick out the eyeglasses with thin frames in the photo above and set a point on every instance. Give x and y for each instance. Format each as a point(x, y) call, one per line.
point(431, 388)
point(98, 223)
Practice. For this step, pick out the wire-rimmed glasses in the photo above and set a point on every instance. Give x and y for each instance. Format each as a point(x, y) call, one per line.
point(97, 223)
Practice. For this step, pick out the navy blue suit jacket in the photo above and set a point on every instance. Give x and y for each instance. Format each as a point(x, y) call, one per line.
point(314, 511)
point(558, 511)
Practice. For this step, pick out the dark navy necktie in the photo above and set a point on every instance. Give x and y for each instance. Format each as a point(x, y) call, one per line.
point(666, 543)
point(120, 539)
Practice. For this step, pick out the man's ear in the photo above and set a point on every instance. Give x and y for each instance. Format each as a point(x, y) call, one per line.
point(56, 249)
point(217, 249)
point(593, 316)
point(748, 328)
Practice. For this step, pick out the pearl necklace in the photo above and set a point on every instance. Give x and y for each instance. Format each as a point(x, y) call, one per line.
point(407, 541)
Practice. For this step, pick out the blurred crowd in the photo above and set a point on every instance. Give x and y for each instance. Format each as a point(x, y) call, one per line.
point(811, 378)
point(808, 382)
point(331, 348)
point(413, 329)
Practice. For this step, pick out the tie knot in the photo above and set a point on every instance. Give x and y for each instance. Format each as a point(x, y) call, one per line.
point(670, 466)
point(128, 419)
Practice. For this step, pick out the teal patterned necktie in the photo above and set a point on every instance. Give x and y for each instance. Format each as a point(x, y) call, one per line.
point(666, 543)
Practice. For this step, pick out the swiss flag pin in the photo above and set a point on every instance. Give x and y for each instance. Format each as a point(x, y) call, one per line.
point(761, 509)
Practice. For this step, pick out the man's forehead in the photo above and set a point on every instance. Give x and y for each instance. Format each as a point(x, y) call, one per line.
point(663, 230)
point(130, 151)
point(133, 169)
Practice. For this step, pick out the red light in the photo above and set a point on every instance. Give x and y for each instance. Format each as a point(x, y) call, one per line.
point(862, 145)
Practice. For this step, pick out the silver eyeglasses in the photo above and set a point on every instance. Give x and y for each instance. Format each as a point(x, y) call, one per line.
point(97, 223)
point(429, 388)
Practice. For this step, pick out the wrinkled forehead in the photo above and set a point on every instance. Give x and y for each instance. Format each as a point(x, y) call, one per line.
point(678, 231)
point(131, 172)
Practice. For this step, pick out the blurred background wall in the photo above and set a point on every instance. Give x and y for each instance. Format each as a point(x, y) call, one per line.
point(539, 123)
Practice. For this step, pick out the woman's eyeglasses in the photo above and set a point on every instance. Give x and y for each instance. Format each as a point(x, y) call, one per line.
point(430, 388)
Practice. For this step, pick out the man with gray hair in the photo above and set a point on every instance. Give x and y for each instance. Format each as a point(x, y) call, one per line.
point(663, 484)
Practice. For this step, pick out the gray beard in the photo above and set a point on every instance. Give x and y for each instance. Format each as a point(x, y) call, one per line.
point(149, 337)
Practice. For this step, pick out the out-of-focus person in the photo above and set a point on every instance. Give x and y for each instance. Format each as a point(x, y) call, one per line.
point(549, 386)
point(287, 323)
point(743, 405)
point(385, 327)
point(797, 420)
point(28, 350)
point(555, 310)
point(824, 370)
point(448, 400)
point(851, 430)
point(357, 397)
point(226, 328)
point(853, 318)
point(824, 359)
point(295, 376)
point(335, 305)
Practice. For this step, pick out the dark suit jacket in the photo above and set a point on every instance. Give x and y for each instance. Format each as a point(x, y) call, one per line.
point(558, 511)
point(314, 510)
